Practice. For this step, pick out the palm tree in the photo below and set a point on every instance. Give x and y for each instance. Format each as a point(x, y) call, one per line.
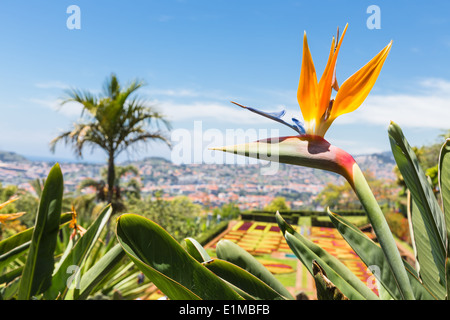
point(130, 189)
point(113, 121)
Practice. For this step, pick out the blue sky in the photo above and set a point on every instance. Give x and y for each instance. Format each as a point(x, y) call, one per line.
point(196, 56)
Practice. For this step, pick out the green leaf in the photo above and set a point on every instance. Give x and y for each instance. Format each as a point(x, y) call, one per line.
point(12, 247)
point(162, 259)
point(382, 292)
point(196, 250)
point(340, 277)
point(326, 290)
point(426, 266)
point(372, 256)
point(98, 250)
point(447, 271)
point(243, 280)
point(37, 273)
point(430, 235)
point(11, 275)
point(339, 274)
point(71, 264)
point(229, 251)
point(99, 271)
point(11, 255)
point(9, 291)
point(382, 232)
point(444, 185)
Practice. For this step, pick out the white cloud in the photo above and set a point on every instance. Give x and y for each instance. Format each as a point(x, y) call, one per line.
point(427, 107)
point(175, 93)
point(172, 92)
point(219, 112)
point(69, 109)
point(52, 85)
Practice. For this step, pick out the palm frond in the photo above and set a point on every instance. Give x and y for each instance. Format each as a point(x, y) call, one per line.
point(85, 98)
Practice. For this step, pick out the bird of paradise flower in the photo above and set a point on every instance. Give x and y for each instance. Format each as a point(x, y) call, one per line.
point(319, 110)
point(310, 149)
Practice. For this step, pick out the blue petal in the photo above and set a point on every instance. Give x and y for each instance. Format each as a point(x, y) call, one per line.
point(276, 116)
point(299, 125)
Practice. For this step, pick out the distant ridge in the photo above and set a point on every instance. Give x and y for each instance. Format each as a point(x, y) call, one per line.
point(7, 156)
point(154, 160)
point(62, 160)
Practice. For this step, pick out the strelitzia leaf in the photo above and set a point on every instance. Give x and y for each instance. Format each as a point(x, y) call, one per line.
point(326, 290)
point(162, 259)
point(242, 279)
point(444, 185)
point(382, 232)
point(37, 273)
point(10, 275)
point(372, 255)
point(14, 246)
point(339, 274)
point(9, 291)
point(429, 226)
point(99, 270)
point(447, 272)
point(196, 250)
point(231, 252)
point(72, 263)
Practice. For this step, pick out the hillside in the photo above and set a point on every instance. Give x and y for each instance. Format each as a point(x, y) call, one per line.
point(6, 156)
point(211, 184)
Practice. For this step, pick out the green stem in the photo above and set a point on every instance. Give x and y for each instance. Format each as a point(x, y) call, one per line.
point(381, 229)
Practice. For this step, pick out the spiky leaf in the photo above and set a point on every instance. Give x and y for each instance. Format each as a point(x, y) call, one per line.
point(429, 226)
point(229, 251)
point(37, 273)
point(162, 259)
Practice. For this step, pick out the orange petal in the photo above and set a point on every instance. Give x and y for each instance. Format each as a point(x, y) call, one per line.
point(324, 88)
point(307, 87)
point(4, 204)
point(326, 82)
point(10, 216)
point(73, 222)
point(355, 89)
